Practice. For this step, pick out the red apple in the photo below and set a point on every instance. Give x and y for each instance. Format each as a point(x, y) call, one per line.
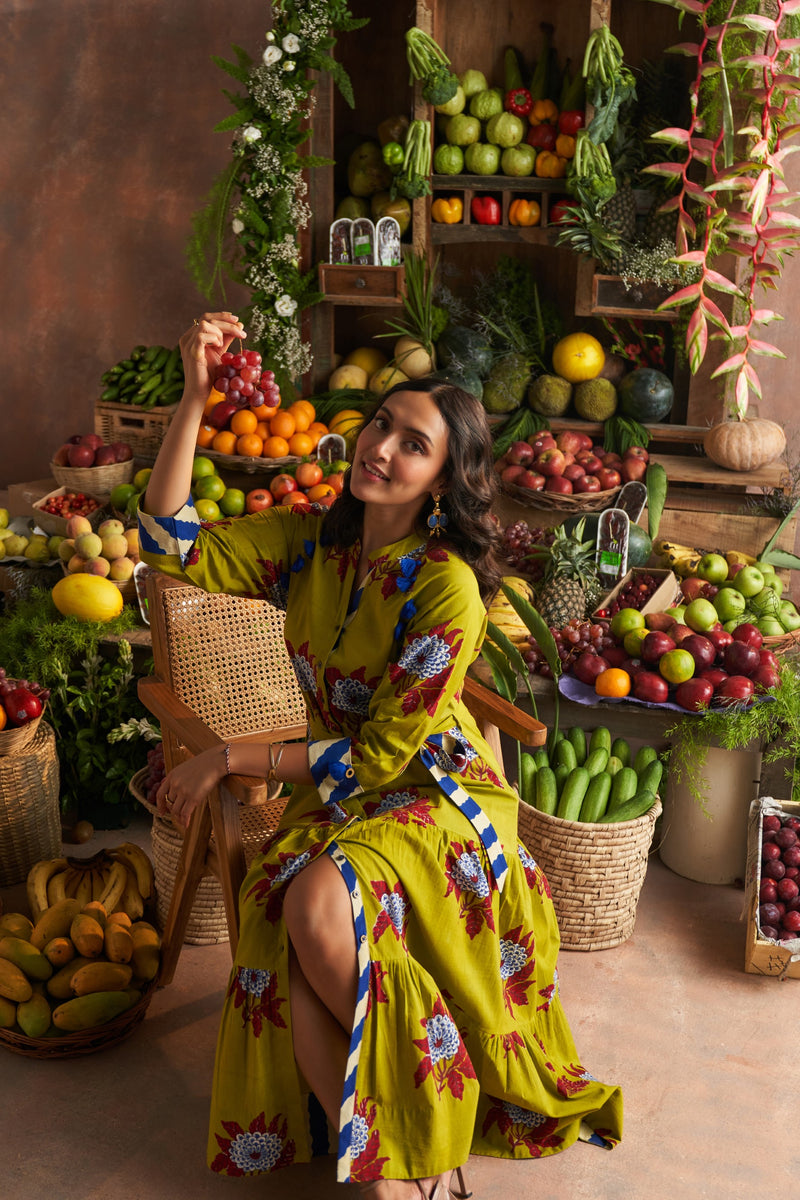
point(531, 480)
point(701, 650)
point(81, 455)
point(679, 632)
point(736, 689)
point(586, 441)
point(694, 694)
point(520, 453)
point(542, 442)
point(104, 456)
point(512, 472)
point(558, 484)
point(655, 644)
point(221, 413)
point(608, 479)
point(740, 659)
point(632, 468)
point(257, 499)
point(569, 441)
point(550, 462)
point(586, 483)
point(568, 457)
point(573, 472)
point(610, 458)
point(649, 686)
point(765, 677)
point(636, 452)
point(714, 675)
point(590, 463)
point(692, 587)
point(123, 451)
point(768, 659)
point(616, 655)
point(587, 666)
point(92, 439)
point(720, 638)
point(751, 635)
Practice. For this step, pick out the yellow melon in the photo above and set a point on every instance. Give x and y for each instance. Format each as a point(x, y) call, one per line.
point(578, 356)
point(368, 358)
point(348, 377)
point(412, 357)
point(347, 416)
point(386, 378)
point(87, 597)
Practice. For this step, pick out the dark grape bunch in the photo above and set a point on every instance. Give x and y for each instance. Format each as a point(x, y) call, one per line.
point(240, 379)
point(518, 540)
point(155, 772)
point(8, 685)
point(571, 641)
point(635, 594)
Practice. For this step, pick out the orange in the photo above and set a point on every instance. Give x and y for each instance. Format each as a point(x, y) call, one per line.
point(213, 400)
point(303, 414)
point(319, 490)
point(224, 442)
point(300, 444)
point(206, 435)
point(275, 447)
point(264, 412)
point(282, 425)
point(613, 682)
point(244, 420)
point(262, 429)
point(3, 717)
point(316, 430)
point(249, 444)
point(676, 665)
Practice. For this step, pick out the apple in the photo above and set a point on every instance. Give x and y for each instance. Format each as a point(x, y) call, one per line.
point(713, 568)
point(610, 458)
point(568, 458)
point(736, 689)
point(609, 479)
point(654, 644)
point(558, 484)
point(632, 468)
point(520, 454)
point(542, 442)
point(590, 463)
point(586, 441)
point(701, 615)
point(714, 675)
point(750, 634)
point(679, 632)
point(765, 678)
point(694, 694)
point(729, 603)
point(80, 455)
point(692, 587)
point(512, 472)
point(767, 659)
point(650, 687)
point(221, 413)
point(570, 442)
point(749, 581)
point(740, 659)
point(636, 452)
point(574, 471)
point(550, 462)
point(719, 638)
point(91, 439)
point(588, 666)
point(701, 649)
point(633, 666)
point(586, 483)
point(615, 655)
point(104, 456)
point(123, 452)
point(531, 480)
point(281, 485)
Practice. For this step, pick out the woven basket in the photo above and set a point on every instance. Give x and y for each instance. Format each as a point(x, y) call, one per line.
point(595, 873)
point(554, 502)
point(142, 431)
point(52, 524)
point(88, 1041)
point(94, 481)
point(778, 643)
point(30, 821)
point(14, 739)
point(251, 465)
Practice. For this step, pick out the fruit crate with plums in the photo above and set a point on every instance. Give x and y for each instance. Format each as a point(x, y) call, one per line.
point(649, 589)
point(773, 889)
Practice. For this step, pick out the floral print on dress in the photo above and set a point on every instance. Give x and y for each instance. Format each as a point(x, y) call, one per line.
point(516, 967)
point(575, 1080)
point(427, 657)
point(467, 880)
point(445, 1060)
point(266, 892)
point(395, 911)
point(528, 865)
point(548, 994)
point(261, 1147)
point(254, 990)
point(377, 992)
point(406, 806)
point(365, 1143)
point(273, 583)
point(523, 1127)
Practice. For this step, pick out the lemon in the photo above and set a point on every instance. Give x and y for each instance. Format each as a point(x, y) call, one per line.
point(368, 358)
point(578, 356)
point(141, 478)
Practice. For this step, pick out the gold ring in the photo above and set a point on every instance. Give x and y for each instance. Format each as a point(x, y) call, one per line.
point(195, 321)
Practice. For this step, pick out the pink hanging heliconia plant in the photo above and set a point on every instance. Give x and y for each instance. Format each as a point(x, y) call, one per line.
point(758, 229)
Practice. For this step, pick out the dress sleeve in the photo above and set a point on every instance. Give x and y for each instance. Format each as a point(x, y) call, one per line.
point(247, 556)
point(446, 621)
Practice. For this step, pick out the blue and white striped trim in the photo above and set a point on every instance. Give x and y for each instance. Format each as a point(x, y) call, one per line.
point(359, 1017)
point(474, 813)
point(170, 535)
point(332, 770)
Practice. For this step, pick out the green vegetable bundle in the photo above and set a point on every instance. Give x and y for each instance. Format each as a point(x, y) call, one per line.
point(150, 376)
point(414, 178)
point(428, 63)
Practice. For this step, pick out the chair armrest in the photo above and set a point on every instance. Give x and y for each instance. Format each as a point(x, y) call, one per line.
point(486, 705)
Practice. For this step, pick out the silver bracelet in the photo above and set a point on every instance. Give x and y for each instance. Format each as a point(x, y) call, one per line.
point(228, 770)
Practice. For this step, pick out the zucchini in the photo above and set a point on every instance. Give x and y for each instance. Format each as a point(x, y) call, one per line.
point(595, 801)
point(600, 737)
point(631, 810)
point(596, 760)
point(621, 750)
point(541, 758)
point(650, 778)
point(526, 777)
point(623, 787)
point(614, 764)
point(644, 756)
point(578, 740)
point(545, 791)
point(565, 755)
point(572, 794)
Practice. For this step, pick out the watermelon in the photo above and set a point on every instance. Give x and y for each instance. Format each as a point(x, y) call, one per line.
point(461, 377)
point(463, 348)
point(646, 395)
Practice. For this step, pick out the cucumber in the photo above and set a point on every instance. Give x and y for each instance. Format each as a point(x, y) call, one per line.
point(545, 791)
point(526, 777)
point(552, 741)
point(614, 765)
point(636, 807)
point(644, 756)
point(541, 758)
point(623, 787)
point(598, 738)
point(578, 740)
point(621, 750)
point(572, 794)
point(650, 778)
point(595, 801)
point(596, 760)
point(565, 755)
point(562, 774)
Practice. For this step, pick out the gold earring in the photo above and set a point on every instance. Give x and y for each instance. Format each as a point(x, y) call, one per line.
point(437, 521)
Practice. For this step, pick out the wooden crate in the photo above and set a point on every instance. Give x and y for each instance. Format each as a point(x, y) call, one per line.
point(142, 430)
point(763, 957)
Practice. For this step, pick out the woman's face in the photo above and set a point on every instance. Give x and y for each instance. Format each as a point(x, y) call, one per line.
point(401, 454)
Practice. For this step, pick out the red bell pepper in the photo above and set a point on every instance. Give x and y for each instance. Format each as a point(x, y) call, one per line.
point(559, 212)
point(518, 101)
point(570, 122)
point(485, 210)
point(542, 137)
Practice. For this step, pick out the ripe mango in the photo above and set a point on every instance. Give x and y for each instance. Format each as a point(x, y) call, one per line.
point(60, 986)
point(8, 1013)
point(85, 1012)
point(26, 957)
point(54, 922)
point(16, 925)
point(146, 957)
point(14, 984)
point(119, 918)
point(87, 934)
point(118, 943)
point(59, 951)
point(100, 977)
point(95, 909)
point(34, 1016)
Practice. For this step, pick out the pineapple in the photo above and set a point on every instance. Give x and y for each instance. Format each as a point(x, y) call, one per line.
point(570, 587)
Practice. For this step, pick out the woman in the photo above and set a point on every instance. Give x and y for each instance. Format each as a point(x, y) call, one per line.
point(398, 945)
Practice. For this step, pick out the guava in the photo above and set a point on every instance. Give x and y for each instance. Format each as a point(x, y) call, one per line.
point(486, 104)
point(454, 105)
point(472, 82)
point(504, 130)
point(518, 161)
point(463, 130)
point(448, 160)
point(482, 159)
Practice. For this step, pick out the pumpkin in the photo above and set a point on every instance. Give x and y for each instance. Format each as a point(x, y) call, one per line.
point(744, 445)
point(646, 395)
point(87, 597)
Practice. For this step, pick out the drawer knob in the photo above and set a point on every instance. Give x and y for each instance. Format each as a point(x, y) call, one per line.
point(361, 282)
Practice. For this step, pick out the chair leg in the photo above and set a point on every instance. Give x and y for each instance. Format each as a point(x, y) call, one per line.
point(231, 868)
point(190, 870)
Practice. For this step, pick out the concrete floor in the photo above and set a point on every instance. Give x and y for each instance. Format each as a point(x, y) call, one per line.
point(705, 1053)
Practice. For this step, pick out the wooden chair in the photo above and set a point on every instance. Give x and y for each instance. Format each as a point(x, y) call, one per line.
point(222, 673)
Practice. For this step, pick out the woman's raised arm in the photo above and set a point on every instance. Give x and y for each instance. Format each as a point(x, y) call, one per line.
point(201, 346)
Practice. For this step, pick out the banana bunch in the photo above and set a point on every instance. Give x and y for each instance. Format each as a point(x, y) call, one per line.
point(149, 376)
point(737, 558)
point(503, 614)
point(673, 556)
point(120, 878)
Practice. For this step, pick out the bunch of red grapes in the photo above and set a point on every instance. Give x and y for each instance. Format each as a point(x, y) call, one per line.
point(240, 379)
point(779, 891)
point(635, 594)
point(23, 700)
point(155, 772)
point(518, 540)
point(573, 640)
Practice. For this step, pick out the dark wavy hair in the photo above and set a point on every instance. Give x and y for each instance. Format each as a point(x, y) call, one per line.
point(471, 485)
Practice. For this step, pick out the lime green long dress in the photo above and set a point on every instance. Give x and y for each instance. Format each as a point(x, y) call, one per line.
point(459, 1042)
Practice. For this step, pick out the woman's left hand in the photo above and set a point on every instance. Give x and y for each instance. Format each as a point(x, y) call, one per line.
point(186, 786)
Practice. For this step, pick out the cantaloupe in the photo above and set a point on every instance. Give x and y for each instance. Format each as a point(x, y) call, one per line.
point(348, 376)
point(412, 358)
point(87, 597)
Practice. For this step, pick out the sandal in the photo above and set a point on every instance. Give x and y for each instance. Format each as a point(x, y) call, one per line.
point(466, 1190)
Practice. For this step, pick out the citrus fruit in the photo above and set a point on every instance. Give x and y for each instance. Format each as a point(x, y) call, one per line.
point(132, 506)
point(316, 430)
point(319, 491)
point(301, 444)
point(632, 642)
point(303, 414)
point(202, 466)
point(249, 445)
point(613, 682)
point(625, 620)
point(205, 436)
point(232, 503)
point(265, 412)
point(224, 442)
point(262, 429)
point(120, 495)
point(208, 510)
point(3, 717)
point(676, 665)
point(366, 357)
point(282, 425)
point(578, 356)
point(214, 398)
point(141, 479)
point(275, 447)
point(209, 487)
point(243, 421)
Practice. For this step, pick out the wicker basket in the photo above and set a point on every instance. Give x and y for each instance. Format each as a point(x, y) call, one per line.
point(30, 821)
point(251, 465)
point(143, 431)
point(94, 481)
point(14, 739)
point(52, 524)
point(554, 502)
point(779, 643)
point(595, 873)
point(127, 587)
point(88, 1041)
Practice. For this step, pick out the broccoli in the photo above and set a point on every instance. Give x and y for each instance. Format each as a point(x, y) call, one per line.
point(440, 86)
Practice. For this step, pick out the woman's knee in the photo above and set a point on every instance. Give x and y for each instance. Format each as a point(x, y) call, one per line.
point(316, 906)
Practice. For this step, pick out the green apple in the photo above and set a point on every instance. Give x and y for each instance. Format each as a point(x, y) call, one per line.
point(729, 626)
point(700, 615)
point(770, 626)
point(766, 603)
point(677, 612)
point(789, 617)
point(749, 581)
point(4, 518)
point(775, 583)
point(765, 568)
point(713, 568)
point(729, 604)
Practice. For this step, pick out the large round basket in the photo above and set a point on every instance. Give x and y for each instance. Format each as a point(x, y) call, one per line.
point(554, 502)
point(779, 643)
point(87, 1041)
point(249, 464)
point(30, 819)
point(17, 738)
point(595, 873)
point(126, 587)
point(94, 481)
point(207, 923)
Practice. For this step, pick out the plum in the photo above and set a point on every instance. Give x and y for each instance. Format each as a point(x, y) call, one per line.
point(786, 837)
point(770, 851)
point(769, 914)
point(772, 821)
point(774, 869)
point(787, 890)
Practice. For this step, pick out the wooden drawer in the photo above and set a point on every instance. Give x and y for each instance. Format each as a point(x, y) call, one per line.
point(362, 285)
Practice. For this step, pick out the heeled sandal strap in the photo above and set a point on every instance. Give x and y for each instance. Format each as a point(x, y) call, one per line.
point(466, 1190)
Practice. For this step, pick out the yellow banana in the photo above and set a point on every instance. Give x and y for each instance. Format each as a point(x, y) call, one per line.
point(83, 892)
point(98, 883)
point(735, 557)
point(73, 875)
point(36, 883)
point(56, 887)
point(115, 886)
point(137, 861)
point(131, 900)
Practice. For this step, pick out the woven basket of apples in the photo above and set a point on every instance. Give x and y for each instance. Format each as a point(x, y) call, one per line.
point(22, 702)
point(567, 472)
point(87, 463)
